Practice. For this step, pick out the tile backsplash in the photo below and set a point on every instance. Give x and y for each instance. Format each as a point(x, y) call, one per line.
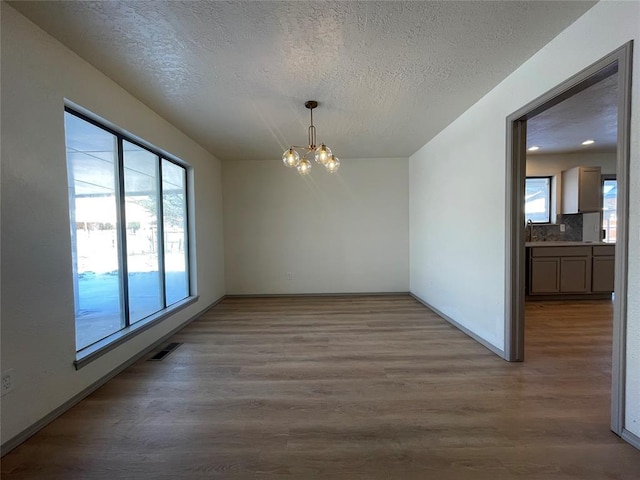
point(552, 233)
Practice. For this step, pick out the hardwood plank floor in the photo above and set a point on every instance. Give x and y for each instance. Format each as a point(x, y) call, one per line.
point(362, 387)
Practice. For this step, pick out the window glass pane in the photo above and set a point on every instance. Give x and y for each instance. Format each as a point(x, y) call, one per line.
point(141, 212)
point(537, 196)
point(91, 165)
point(609, 203)
point(174, 206)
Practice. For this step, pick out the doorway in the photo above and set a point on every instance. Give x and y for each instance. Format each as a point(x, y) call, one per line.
point(618, 62)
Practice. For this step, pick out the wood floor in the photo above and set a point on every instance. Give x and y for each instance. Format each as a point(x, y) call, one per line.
point(360, 387)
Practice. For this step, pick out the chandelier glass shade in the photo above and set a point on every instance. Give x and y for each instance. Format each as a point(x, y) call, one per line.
point(321, 154)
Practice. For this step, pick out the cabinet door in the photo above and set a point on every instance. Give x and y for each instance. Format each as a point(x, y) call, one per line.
point(589, 190)
point(603, 274)
point(575, 274)
point(581, 190)
point(544, 275)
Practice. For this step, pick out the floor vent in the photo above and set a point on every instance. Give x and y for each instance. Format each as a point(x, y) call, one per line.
point(165, 351)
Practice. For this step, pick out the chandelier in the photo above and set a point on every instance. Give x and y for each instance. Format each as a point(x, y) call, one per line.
point(323, 156)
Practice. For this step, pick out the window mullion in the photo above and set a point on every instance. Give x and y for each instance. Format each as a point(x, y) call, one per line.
point(160, 223)
point(187, 250)
point(122, 234)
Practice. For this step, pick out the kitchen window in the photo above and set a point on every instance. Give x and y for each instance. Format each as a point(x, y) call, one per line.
point(128, 215)
point(537, 205)
point(609, 206)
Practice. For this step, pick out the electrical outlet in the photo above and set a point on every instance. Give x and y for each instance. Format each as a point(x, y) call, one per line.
point(8, 384)
point(562, 227)
point(289, 276)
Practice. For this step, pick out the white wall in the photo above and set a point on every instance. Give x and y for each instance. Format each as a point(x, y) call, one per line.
point(38, 335)
point(457, 226)
point(339, 233)
point(457, 189)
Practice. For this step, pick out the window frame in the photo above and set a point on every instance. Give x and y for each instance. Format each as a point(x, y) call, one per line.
point(549, 196)
point(96, 349)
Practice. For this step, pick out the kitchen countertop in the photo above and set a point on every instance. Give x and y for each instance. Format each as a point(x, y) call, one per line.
point(565, 244)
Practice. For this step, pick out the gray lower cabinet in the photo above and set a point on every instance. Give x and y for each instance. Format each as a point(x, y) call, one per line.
point(603, 268)
point(544, 275)
point(603, 274)
point(575, 274)
point(571, 270)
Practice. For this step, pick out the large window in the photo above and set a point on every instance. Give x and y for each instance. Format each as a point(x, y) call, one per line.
point(537, 206)
point(128, 211)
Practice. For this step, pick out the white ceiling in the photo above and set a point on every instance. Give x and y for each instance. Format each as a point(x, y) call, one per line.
point(590, 114)
point(235, 75)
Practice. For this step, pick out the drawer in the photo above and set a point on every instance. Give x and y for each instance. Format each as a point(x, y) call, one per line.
point(561, 251)
point(604, 250)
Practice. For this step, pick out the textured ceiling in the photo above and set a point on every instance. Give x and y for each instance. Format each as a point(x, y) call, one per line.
point(590, 114)
point(235, 75)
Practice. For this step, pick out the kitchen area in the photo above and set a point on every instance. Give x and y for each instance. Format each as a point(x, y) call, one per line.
point(573, 257)
point(570, 197)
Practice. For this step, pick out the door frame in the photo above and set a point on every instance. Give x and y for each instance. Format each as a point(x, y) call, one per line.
point(620, 62)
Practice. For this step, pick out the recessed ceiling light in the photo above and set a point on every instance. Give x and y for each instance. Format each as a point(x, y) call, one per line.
point(533, 149)
point(588, 142)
